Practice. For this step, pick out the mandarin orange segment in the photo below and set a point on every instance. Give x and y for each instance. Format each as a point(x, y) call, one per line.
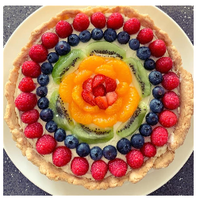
point(82, 76)
point(66, 86)
point(122, 88)
point(103, 120)
point(106, 70)
point(130, 103)
point(114, 108)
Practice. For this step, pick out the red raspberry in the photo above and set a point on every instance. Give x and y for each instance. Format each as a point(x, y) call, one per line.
point(145, 35)
point(167, 118)
point(46, 144)
point(38, 53)
point(61, 156)
point(81, 22)
point(99, 169)
point(132, 26)
point(33, 130)
point(49, 40)
point(31, 69)
point(117, 167)
point(79, 166)
point(26, 85)
point(98, 19)
point(99, 90)
point(115, 21)
point(164, 64)
point(148, 149)
point(110, 84)
point(30, 116)
point(171, 100)
point(159, 136)
point(25, 101)
point(170, 81)
point(135, 159)
point(157, 48)
point(63, 29)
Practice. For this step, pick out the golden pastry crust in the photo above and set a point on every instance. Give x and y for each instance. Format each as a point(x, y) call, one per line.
point(176, 139)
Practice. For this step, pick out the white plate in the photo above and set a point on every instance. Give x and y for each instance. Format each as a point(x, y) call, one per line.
point(145, 186)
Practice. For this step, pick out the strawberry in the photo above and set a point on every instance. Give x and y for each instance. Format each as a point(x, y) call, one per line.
point(87, 85)
point(111, 97)
point(81, 22)
point(99, 169)
point(30, 116)
point(38, 53)
point(135, 159)
point(88, 97)
point(63, 29)
point(99, 90)
point(101, 102)
point(26, 84)
point(98, 19)
point(49, 39)
point(110, 84)
point(117, 167)
point(31, 69)
point(98, 79)
point(79, 166)
point(33, 130)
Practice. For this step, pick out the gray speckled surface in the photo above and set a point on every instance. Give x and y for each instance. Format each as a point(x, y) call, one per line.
point(14, 182)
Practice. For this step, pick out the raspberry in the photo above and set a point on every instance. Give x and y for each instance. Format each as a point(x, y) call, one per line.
point(164, 64)
point(99, 169)
point(98, 19)
point(63, 29)
point(117, 167)
point(135, 159)
point(159, 136)
point(26, 85)
point(79, 166)
point(115, 21)
point(25, 101)
point(148, 149)
point(170, 100)
point(31, 69)
point(170, 81)
point(132, 26)
point(81, 22)
point(61, 156)
point(167, 118)
point(145, 35)
point(33, 130)
point(30, 116)
point(45, 144)
point(157, 48)
point(49, 40)
point(38, 53)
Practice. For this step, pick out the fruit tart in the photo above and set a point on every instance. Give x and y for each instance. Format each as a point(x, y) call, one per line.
point(98, 97)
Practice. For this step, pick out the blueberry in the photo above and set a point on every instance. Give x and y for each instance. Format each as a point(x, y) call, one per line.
point(110, 35)
point(43, 79)
point(85, 36)
point(46, 68)
point(137, 141)
point(155, 77)
point(62, 48)
point(134, 44)
point(152, 118)
point(96, 153)
point(109, 152)
point(43, 103)
point(42, 91)
point(46, 115)
point(156, 106)
point(143, 53)
point(149, 64)
point(73, 40)
point(71, 141)
point(123, 146)
point(52, 57)
point(83, 149)
point(158, 92)
point(51, 126)
point(145, 130)
point(97, 34)
point(60, 135)
point(123, 37)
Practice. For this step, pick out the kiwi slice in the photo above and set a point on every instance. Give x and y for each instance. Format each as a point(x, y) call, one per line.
point(128, 128)
point(60, 114)
point(105, 49)
point(67, 64)
point(92, 134)
point(141, 75)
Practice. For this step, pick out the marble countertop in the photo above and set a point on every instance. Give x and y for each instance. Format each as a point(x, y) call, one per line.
point(15, 183)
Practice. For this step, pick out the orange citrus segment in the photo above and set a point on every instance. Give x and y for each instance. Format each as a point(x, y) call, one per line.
point(106, 70)
point(103, 120)
point(114, 108)
point(82, 76)
point(122, 88)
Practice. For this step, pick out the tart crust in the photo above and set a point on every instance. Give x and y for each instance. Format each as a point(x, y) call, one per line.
point(176, 139)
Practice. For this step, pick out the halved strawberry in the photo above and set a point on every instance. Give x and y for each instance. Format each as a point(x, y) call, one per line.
point(88, 97)
point(99, 90)
point(101, 102)
point(98, 79)
point(110, 84)
point(111, 97)
point(87, 85)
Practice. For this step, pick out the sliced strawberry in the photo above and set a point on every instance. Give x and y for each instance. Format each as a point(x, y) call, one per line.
point(110, 84)
point(101, 102)
point(87, 85)
point(98, 79)
point(99, 90)
point(111, 97)
point(88, 97)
